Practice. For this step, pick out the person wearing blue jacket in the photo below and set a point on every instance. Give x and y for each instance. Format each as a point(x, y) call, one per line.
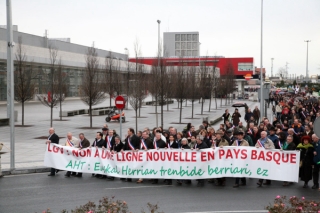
point(316, 159)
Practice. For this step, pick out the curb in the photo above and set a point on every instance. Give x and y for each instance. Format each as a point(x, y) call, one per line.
point(25, 171)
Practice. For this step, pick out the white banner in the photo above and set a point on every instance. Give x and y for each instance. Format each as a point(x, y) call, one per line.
point(232, 161)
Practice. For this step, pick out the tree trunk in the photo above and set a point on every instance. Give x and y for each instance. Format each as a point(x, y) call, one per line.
point(51, 112)
point(22, 113)
point(90, 113)
point(180, 111)
point(221, 101)
point(210, 102)
point(178, 104)
point(110, 100)
point(186, 103)
point(136, 120)
point(202, 106)
point(161, 106)
point(60, 109)
point(168, 105)
point(192, 109)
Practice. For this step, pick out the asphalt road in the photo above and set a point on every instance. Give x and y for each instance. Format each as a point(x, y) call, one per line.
point(37, 192)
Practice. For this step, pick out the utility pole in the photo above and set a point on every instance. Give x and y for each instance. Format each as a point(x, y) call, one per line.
point(261, 70)
point(307, 71)
point(286, 74)
point(158, 69)
point(10, 83)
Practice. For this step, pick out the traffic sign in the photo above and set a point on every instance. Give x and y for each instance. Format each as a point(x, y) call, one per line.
point(120, 102)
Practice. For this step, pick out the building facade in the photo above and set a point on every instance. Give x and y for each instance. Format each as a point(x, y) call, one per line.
point(72, 58)
point(180, 44)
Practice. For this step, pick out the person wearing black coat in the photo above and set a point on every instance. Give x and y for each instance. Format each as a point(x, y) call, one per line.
point(172, 143)
point(52, 138)
point(110, 139)
point(83, 143)
point(306, 160)
point(132, 142)
point(117, 146)
point(198, 146)
point(158, 144)
point(288, 145)
point(99, 143)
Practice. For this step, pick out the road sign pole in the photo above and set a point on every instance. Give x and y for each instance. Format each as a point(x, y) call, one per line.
point(120, 124)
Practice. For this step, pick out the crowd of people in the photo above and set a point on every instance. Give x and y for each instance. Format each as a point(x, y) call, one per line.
point(291, 129)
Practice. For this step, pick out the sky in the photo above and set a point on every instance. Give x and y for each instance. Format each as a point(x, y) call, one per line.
point(230, 28)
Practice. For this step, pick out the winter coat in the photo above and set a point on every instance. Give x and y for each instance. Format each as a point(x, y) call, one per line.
point(306, 161)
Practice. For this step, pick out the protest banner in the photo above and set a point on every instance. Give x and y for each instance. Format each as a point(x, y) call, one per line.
point(178, 164)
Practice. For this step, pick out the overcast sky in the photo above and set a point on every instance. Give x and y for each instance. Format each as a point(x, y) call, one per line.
point(227, 27)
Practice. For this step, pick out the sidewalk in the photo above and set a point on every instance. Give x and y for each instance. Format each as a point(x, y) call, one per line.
point(29, 151)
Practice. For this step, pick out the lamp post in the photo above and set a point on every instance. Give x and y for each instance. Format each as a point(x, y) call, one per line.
point(261, 73)
point(10, 83)
point(307, 71)
point(272, 67)
point(128, 76)
point(158, 21)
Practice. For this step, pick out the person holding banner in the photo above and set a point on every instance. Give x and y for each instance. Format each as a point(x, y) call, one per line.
point(264, 143)
point(72, 142)
point(158, 143)
point(200, 145)
point(288, 145)
point(145, 144)
point(99, 143)
point(240, 142)
point(83, 143)
point(110, 139)
point(132, 143)
point(52, 138)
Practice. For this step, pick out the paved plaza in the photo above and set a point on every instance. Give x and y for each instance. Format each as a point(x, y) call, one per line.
point(29, 151)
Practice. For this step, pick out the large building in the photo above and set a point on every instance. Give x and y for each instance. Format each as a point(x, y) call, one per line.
point(180, 44)
point(72, 58)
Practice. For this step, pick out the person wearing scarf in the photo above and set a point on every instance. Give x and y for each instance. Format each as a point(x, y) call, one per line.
point(288, 145)
point(264, 143)
point(240, 142)
point(306, 160)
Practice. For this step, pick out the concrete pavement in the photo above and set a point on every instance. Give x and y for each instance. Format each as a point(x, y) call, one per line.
point(29, 150)
point(37, 192)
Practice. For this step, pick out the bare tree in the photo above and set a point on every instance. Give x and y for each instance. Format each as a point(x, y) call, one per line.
point(193, 92)
point(214, 78)
point(110, 63)
point(180, 84)
point(60, 86)
point(92, 86)
point(24, 85)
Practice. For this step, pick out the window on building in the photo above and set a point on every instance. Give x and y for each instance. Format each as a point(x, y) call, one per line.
point(189, 45)
point(189, 37)
point(194, 37)
point(245, 66)
point(177, 37)
point(195, 53)
point(177, 45)
point(194, 45)
point(177, 52)
point(189, 53)
point(183, 37)
point(183, 45)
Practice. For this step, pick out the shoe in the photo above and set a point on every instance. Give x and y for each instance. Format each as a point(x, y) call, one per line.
point(315, 187)
point(73, 174)
point(305, 186)
point(266, 183)
point(236, 186)
point(51, 175)
point(179, 182)
point(285, 184)
point(110, 178)
point(66, 175)
point(139, 181)
point(57, 170)
point(103, 177)
point(122, 178)
point(259, 184)
point(78, 175)
point(128, 180)
point(93, 175)
point(168, 183)
point(188, 182)
point(210, 181)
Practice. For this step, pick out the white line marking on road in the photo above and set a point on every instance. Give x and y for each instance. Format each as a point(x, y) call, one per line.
point(11, 176)
point(139, 187)
point(242, 211)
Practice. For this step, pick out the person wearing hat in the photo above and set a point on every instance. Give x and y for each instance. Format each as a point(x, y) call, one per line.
point(220, 142)
point(240, 142)
point(273, 137)
point(306, 159)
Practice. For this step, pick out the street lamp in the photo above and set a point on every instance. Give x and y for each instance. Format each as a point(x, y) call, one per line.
point(261, 74)
point(307, 72)
point(158, 21)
